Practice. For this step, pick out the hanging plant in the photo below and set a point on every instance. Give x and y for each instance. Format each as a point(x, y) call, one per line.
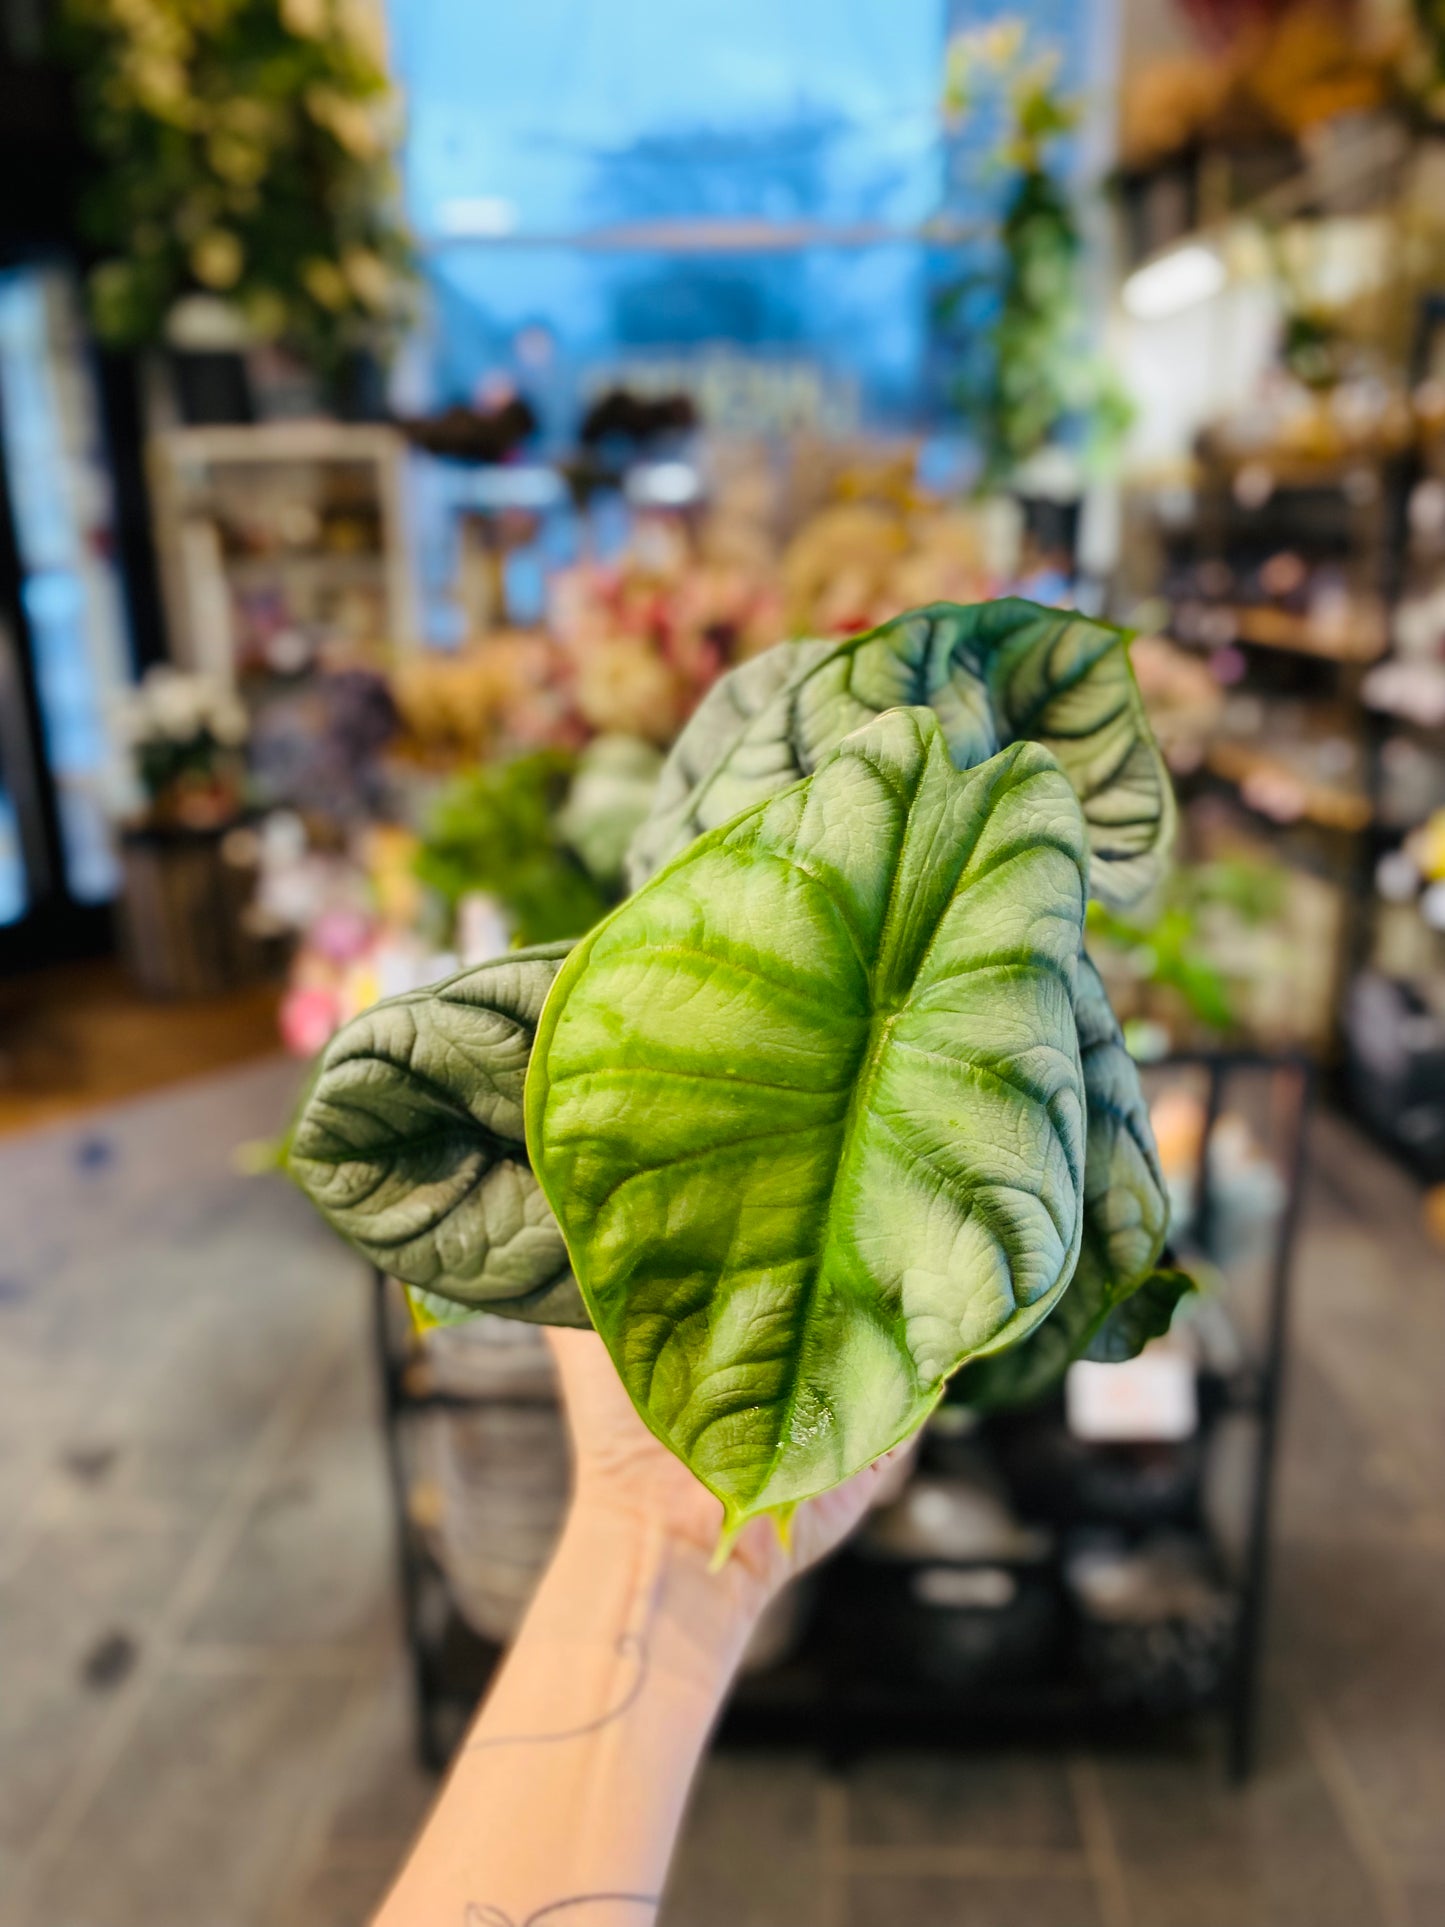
point(1024, 377)
point(246, 151)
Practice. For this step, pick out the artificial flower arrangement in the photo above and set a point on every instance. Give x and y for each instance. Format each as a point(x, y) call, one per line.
point(832, 1111)
point(513, 851)
point(630, 647)
point(359, 920)
point(645, 638)
point(549, 738)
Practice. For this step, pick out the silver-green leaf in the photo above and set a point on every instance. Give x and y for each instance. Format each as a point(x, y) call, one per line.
point(410, 1141)
point(992, 672)
point(774, 719)
point(809, 1107)
point(1126, 1220)
point(1065, 681)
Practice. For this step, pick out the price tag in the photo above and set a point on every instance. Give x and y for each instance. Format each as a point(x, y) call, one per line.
point(1150, 1397)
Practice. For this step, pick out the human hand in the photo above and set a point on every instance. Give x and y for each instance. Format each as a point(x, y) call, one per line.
point(621, 1470)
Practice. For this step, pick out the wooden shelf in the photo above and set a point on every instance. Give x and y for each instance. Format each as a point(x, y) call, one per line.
point(1359, 639)
point(1298, 468)
point(345, 565)
point(1325, 804)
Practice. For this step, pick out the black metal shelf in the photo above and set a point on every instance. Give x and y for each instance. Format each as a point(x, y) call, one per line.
point(841, 1691)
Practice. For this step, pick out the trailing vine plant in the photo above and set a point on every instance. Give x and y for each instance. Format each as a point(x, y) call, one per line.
point(1023, 376)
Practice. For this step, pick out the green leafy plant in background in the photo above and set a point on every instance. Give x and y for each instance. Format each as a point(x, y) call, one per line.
point(833, 1105)
point(245, 151)
point(496, 830)
point(1173, 948)
point(1024, 375)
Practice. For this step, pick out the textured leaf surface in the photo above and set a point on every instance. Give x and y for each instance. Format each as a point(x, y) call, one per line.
point(809, 1107)
point(774, 719)
point(411, 1143)
point(1059, 679)
point(1126, 1217)
point(992, 672)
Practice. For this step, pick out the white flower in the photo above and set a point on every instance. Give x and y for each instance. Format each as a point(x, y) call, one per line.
point(230, 724)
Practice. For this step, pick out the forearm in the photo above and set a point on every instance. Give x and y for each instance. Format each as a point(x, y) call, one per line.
point(569, 1789)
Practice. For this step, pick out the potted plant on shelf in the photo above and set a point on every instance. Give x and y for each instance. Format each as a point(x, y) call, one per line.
point(186, 876)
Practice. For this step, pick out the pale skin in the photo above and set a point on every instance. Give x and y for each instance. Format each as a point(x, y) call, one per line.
point(566, 1797)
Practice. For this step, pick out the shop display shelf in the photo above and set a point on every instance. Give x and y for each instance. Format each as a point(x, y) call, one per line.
point(1326, 805)
point(1361, 638)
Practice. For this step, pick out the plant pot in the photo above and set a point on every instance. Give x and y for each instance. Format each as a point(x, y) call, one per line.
point(212, 386)
point(184, 895)
point(1053, 525)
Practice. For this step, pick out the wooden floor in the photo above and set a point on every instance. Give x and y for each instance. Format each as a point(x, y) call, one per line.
point(78, 1035)
point(204, 1697)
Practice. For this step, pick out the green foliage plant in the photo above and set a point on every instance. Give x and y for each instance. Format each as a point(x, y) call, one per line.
point(830, 1111)
point(244, 150)
point(496, 829)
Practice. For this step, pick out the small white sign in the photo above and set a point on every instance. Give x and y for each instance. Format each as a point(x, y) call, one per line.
point(1149, 1397)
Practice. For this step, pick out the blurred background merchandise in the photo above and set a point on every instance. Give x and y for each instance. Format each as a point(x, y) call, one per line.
point(407, 413)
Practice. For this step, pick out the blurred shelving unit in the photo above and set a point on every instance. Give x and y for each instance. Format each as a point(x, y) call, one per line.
point(280, 541)
point(1287, 558)
point(1278, 578)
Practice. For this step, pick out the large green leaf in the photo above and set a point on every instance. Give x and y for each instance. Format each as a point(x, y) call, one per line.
point(809, 1107)
point(1062, 680)
point(1126, 1220)
point(410, 1141)
point(775, 718)
point(993, 672)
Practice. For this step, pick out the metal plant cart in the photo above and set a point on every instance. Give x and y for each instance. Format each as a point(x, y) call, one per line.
point(1005, 1648)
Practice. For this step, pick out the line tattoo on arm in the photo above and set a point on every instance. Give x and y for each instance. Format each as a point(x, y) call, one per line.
point(476, 1916)
point(632, 1644)
point(628, 1646)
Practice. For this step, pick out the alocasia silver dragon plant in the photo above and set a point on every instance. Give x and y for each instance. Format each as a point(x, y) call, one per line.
point(833, 1107)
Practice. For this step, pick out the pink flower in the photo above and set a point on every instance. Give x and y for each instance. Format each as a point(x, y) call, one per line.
point(307, 1020)
point(341, 934)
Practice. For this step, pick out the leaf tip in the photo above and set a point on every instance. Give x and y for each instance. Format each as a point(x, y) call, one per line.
point(259, 1157)
point(782, 1517)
